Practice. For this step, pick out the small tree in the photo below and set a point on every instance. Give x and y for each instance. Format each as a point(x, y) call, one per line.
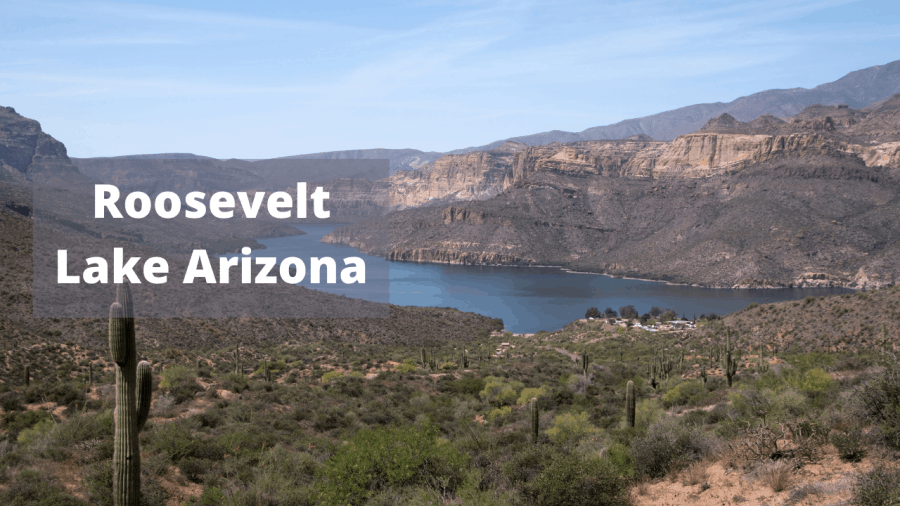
point(593, 313)
point(628, 312)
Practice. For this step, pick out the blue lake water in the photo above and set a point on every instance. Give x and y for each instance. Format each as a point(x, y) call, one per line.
point(528, 299)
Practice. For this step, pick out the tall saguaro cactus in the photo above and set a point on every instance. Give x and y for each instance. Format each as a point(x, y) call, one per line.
point(729, 364)
point(133, 382)
point(629, 403)
point(535, 420)
point(763, 363)
point(586, 365)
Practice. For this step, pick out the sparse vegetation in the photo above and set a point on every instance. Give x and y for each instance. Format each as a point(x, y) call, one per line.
point(336, 423)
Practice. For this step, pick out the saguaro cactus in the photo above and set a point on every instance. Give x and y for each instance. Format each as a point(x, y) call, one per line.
point(133, 382)
point(535, 420)
point(586, 364)
point(763, 363)
point(729, 364)
point(629, 403)
point(27, 376)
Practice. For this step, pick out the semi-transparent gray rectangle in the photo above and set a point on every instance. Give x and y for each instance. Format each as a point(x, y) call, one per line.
point(64, 221)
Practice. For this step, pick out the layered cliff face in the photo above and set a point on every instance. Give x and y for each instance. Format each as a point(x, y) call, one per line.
point(484, 174)
point(807, 201)
point(725, 144)
point(709, 154)
point(471, 176)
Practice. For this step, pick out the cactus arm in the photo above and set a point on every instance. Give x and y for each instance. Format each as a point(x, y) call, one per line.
point(144, 392)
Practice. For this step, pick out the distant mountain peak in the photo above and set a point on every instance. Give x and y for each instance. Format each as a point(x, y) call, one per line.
point(724, 121)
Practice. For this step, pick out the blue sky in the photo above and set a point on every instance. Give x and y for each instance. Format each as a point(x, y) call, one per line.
point(267, 79)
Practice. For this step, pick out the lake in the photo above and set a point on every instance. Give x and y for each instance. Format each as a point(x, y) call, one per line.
point(528, 299)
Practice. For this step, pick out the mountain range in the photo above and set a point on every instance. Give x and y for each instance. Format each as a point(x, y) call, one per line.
point(856, 89)
point(807, 201)
point(781, 188)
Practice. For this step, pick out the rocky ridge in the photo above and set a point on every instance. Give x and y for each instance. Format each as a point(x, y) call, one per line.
point(811, 201)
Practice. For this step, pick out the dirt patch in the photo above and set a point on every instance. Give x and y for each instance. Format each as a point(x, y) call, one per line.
point(829, 481)
point(179, 493)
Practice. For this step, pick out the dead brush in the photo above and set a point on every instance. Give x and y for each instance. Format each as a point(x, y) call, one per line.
point(642, 488)
point(776, 475)
point(695, 474)
point(798, 443)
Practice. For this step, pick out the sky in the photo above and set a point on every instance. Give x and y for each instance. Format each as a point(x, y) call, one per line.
point(268, 79)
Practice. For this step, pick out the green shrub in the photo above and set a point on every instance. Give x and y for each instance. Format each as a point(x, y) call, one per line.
point(813, 381)
point(16, 421)
point(686, 393)
point(849, 445)
point(528, 462)
point(531, 393)
point(211, 496)
point(501, 392)
point(878, 487)
point(181, 382)
point(236, 383)
point(646, 413)
point(620, 457)
point(174, 438)
point(65, 394)
point(331, 375)
point(469, 385)
point(570, 428)
point(12, 401)
point(82, 427)
point(32, 488)
point(879, 402)
point(390, 457)
point(275, 367)
point(284, 477)
point(37, 433)
point(668, 445)
point(783, 404)
point(570, 480)
point(498, 415)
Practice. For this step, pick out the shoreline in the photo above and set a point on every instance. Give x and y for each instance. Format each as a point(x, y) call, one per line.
point(613, 276)
point(568, 270)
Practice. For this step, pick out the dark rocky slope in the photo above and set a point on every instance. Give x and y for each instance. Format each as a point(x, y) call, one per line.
point(808, 202)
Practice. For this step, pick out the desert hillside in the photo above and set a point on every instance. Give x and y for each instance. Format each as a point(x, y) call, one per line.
point(811, 201)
